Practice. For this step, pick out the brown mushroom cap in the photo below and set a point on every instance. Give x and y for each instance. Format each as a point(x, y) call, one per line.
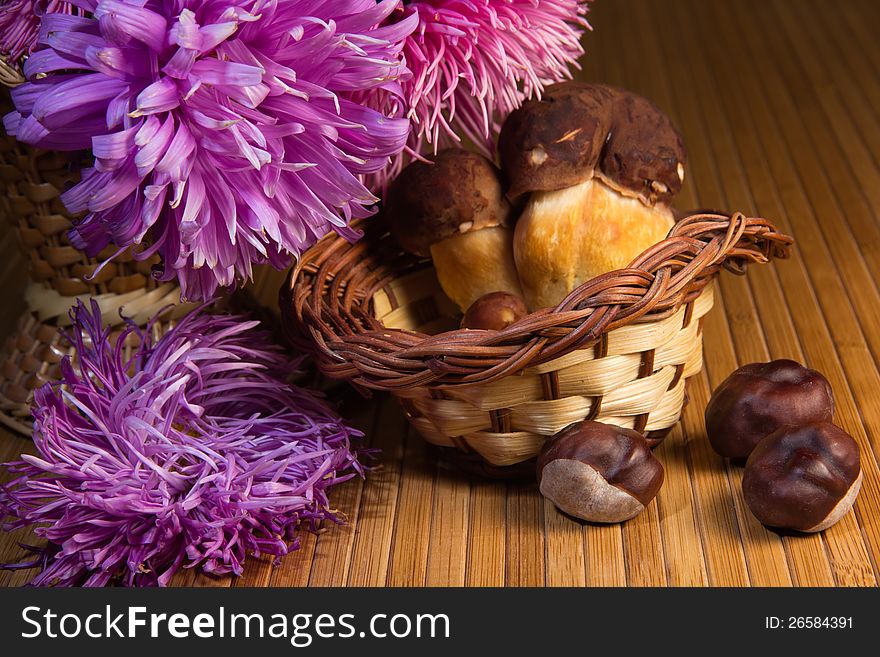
point(599, 472)
point(457, 193)
point(759, 398)
point(494, 311)
point(578, 131)
point(804, 478)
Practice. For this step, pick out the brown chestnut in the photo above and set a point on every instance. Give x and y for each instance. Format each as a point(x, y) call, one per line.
point(804, 478)
point(759, 398)
point(494, 311)
point(599, 472)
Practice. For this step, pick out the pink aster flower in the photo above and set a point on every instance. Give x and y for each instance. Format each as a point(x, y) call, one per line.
point(475, 61)
point(20, 22)
point(194, 452)
point(224, 131)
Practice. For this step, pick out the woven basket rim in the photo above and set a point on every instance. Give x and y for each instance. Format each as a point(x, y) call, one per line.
point(326, 300)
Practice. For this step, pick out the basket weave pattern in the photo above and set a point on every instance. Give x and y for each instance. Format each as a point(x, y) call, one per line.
point(617, 349)
point(32, 181)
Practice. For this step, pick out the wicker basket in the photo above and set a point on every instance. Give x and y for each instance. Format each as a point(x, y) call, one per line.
point(32, 181)
point(618, 349)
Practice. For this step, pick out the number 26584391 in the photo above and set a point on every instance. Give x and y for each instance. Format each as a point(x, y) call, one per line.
point(808, 622)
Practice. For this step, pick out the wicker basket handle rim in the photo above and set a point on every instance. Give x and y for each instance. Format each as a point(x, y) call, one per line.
point(659, 280)
point(738, 225)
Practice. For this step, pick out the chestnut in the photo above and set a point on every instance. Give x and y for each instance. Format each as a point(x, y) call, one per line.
point(494, 311)
point(599, 472)
point(804, 478)
point(759, 398)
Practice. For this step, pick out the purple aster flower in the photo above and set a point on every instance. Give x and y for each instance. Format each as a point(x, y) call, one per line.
point(224, 131)
point(193, 452)
point(20, 22)
point(475, 61)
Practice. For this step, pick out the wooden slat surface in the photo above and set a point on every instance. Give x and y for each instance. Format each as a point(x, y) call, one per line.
point(779, 103)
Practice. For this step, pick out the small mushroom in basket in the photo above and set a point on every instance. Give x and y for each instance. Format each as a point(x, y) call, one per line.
point(494, 311)
point(759, 398)
point(601, 166)
point(599, 472)
point(804, 478)
point(454, 210)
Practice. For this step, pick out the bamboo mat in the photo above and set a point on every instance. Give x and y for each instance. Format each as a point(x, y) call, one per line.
point(779, 102)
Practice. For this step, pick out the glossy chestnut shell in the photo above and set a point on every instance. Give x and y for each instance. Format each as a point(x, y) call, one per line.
point(760, 398)
point(804, 478)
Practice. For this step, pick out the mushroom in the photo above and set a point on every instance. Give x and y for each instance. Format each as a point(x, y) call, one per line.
point(599, 472)
point(454, 210)
point(759, 398)
point(601, 166)
point(494, 311)
point(804, 478)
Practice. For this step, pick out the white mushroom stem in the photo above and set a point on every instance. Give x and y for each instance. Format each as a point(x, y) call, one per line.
point(475, 263)
point(566, 237)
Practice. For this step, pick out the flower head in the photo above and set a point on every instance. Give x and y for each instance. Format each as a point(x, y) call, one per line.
point(224, 131)
point(20, 22)
point(193, 452)
point(475, 61)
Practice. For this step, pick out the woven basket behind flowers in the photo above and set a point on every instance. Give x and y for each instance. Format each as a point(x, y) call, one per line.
point(31, 181)
point(618, 349)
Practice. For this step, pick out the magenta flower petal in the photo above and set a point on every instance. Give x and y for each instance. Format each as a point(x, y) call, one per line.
point(48, 61)
point(20, 24)
point(159, 97)
point(195, 452)
point(258, 99)
point(130, 21)
point(473, 62)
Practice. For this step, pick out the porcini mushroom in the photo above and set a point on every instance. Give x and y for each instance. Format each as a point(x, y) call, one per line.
point(599, 472)
point(454, 210)
point(494, 311)
point(804, 478)
point(601, 166)
point(759, 398)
